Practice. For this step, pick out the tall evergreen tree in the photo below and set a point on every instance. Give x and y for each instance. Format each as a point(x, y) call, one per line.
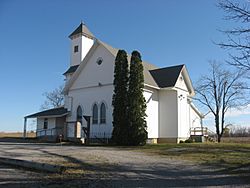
point(136, 102)
point(120, 99)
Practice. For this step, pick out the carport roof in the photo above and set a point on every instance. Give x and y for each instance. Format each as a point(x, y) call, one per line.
point(54, 112)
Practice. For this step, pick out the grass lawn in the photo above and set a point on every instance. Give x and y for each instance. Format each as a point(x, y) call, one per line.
point(233, 157)
point(16, 135)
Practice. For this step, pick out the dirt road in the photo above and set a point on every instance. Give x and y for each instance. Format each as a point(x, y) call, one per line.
point(116, 167)
point(16, 177)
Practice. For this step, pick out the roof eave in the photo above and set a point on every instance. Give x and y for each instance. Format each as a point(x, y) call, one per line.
point(167, 88)
point(148, 85)
point(197, 111)
point(72, 36)
point(47, 116)
point(188, 81)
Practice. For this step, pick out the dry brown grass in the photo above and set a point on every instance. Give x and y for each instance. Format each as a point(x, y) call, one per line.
point(236, 140)
point(229, 156)
point(16, 135)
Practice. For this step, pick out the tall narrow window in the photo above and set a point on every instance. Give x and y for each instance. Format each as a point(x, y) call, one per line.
point(45, 123)
point(95, 114)
point(79, 114)
point(103, 113)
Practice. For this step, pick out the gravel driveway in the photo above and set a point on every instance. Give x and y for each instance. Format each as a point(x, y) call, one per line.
point(16, 177)
point(118, 167)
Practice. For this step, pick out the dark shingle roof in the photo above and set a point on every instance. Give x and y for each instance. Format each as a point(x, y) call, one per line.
point(51, 112)
point(82, 29)
point(71, 69)
point(166, 77)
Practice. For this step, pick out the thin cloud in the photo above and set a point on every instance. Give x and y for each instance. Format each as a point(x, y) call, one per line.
point(238, 112)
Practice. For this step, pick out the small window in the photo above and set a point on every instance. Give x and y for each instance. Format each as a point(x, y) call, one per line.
point(75, 49)
point(95, 114)
point(99, 61)
point(45, 123)
point(103, 114)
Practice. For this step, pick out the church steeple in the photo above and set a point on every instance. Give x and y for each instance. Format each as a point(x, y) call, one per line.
point(81, 42)
point(82, 30)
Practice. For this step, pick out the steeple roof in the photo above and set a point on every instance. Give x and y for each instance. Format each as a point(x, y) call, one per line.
point(83, 30)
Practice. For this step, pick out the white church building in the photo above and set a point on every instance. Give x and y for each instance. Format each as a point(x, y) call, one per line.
point(171, 115)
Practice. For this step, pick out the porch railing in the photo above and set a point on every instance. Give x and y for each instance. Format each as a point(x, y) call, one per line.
point(199, 131)
point(100, 135)
point(47, 132)
point(203, 131)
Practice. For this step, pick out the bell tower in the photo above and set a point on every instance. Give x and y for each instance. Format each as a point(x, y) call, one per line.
point(81, 42)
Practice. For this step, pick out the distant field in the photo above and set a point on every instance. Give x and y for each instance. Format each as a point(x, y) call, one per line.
point(236, 140)
point(16, 135)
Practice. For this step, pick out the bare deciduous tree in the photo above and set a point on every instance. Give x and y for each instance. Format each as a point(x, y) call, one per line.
point(54, 98)
point(219, 91)
point(239, 131)
point(238, 37)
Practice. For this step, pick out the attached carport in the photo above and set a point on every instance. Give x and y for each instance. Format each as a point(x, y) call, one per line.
point(59, 114)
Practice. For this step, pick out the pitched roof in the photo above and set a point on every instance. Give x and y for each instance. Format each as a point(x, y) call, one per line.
point(71, 69)
point(166, 77)
point(148, 79)
point(55, 112)
point(153, 76)
point(82, 29)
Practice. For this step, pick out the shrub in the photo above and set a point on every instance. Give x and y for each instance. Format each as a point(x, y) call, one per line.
point(189, 141)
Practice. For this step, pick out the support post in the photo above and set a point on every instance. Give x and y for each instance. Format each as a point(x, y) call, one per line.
point(87, 118)
point(24, 128)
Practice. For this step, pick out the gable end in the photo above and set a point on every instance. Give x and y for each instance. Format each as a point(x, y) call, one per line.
point(166, 77)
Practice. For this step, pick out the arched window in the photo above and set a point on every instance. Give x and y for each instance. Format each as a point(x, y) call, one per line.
point(103, 113)
point(79, 114)
point(95, 114)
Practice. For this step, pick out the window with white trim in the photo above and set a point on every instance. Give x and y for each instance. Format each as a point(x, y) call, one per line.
point(75, 49)
point(45, 123)
point(99, 61)
point(95, 114)
point(103, 114)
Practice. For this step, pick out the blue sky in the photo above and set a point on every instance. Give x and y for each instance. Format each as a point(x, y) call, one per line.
point(34, 43)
